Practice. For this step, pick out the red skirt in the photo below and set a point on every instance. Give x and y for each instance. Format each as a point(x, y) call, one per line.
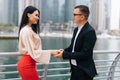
point(27, 68)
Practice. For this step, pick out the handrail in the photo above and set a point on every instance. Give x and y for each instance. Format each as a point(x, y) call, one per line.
point(112, 68)
point(45, 70)
point(95, 51)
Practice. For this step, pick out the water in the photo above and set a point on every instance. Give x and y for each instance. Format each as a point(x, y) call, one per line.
point(11, 45)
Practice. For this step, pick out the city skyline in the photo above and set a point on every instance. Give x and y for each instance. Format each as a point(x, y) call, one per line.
point(105, 14)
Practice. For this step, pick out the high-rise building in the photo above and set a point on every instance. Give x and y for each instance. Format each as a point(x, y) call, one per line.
point(55, 11)
point(9, 11)
point(1, 11)
point(4, 11)
point(61, 11)
point(107, 13)
point(100, 12)
point(52, 10)
point(25, 3)
point(101, 15)
point(45, 10)
point(69, 6)
point(96, 14)
point(13, 11)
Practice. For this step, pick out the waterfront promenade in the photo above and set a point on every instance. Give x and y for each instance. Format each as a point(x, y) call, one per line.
point(48, 34)
point(55, 34)
point(8, 36)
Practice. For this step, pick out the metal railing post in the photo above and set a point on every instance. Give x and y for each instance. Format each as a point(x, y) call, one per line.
point(45, 72)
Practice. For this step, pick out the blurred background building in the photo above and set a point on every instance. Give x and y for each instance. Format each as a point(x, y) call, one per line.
point(105, 14)
point(9, 11)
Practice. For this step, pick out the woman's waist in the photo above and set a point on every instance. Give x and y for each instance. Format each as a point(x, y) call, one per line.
point(25, 55)
point(27, 58)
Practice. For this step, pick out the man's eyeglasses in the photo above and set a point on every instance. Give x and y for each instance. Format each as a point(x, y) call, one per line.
point(77, 14)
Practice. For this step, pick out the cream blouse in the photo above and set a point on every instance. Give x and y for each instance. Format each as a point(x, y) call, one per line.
point(30, 44)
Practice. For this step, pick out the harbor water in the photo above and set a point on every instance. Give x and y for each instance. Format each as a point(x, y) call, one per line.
point(11, 45)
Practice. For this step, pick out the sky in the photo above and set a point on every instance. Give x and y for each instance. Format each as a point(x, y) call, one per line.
point(115, 14)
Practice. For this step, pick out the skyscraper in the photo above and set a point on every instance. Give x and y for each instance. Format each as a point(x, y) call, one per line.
point(51, 10)
point(95, 13)
point(13, 11)
point(45, 10)
point(4, 11)
point(100, 12)
point(25, 3)
point(107, 13)
point(9, 11)
point(55, 11)
point(69, 6)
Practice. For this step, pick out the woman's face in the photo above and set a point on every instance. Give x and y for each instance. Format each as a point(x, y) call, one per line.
point(34, 17)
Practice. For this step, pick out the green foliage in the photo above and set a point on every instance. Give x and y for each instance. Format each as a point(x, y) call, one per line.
point(7, 27)
point(7, 24)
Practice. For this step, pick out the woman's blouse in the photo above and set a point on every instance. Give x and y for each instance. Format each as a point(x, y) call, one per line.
point(30, 44)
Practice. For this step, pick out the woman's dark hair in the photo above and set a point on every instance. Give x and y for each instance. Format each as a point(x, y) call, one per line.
point(24, 20)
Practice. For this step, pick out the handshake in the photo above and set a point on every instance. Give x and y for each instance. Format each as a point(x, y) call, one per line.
point(57, 53)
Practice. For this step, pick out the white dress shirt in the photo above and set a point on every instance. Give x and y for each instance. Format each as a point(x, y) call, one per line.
point(73, 61)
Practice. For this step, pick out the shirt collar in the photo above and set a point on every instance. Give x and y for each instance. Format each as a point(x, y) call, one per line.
point(80, 27)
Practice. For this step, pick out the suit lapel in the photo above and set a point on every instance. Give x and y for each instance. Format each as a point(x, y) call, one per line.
point(83, 30)
point(75, 32)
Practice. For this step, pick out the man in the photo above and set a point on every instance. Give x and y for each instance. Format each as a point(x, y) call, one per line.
point(80, 51)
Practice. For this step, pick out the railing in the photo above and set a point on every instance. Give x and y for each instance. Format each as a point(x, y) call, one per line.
point(107, 64)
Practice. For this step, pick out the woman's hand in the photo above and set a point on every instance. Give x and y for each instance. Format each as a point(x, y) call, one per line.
point(57, 53)
point(54, 52)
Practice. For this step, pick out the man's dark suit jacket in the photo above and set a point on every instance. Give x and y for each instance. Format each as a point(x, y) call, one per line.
point(83, 50)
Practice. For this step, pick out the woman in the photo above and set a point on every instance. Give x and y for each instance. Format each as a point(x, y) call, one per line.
point(30, 45)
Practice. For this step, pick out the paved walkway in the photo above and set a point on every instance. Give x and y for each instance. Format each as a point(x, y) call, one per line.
point(8, 36)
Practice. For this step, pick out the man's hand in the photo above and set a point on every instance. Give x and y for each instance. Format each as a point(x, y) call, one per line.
point(54, 52)
point(59, 55)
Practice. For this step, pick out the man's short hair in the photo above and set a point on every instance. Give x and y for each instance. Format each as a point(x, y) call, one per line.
point(84, 10)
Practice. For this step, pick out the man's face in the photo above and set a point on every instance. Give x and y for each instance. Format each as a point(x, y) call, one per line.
point(77, 16)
